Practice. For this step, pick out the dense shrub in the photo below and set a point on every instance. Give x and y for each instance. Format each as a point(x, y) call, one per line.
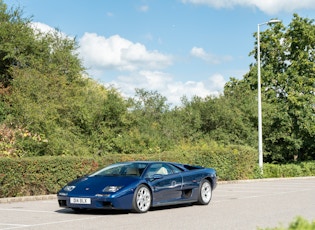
point(232, 162)
point(41, 175)
point(46, 175)
point(289, 170)
point(298, 224)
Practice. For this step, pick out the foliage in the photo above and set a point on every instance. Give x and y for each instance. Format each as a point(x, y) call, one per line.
point(148, 113)
point(61, 114)
point(289, 170)
point(298, 223)
point(288, 81)
point(50, 107)
point(46, 175)
point(38, 176)
point(232, 162)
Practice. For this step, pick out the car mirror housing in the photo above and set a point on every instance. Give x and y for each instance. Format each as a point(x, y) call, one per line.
point(155, 177)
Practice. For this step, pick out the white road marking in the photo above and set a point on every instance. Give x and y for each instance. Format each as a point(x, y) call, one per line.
point(264, 195)
point(23, 210)
point(49, 223)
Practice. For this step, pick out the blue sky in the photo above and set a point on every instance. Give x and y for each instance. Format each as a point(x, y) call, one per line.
point(176, 47)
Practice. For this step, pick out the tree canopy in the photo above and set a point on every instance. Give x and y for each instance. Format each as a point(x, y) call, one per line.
point(49, 106)
point(288, 83)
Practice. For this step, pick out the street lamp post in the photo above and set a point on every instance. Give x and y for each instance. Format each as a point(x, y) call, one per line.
point(260, 146)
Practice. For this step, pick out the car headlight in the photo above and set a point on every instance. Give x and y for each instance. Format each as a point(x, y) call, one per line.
point(111, 188)
point(69, 188)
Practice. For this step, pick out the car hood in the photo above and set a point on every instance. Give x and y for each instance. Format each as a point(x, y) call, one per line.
point(95, 184)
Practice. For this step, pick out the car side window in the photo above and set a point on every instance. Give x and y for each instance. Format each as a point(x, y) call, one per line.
point(161, 169)
point(175, 169)
point(164, 170)
point(157, 168)
point(152, 170)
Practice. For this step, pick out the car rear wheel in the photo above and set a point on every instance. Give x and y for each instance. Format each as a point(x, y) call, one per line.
point(205, 192)
point(141, 199)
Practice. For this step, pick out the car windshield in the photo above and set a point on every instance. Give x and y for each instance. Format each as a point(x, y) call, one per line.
point(122, 169)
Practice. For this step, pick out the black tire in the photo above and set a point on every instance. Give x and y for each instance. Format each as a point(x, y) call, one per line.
point(205, 192)
point(142, 197)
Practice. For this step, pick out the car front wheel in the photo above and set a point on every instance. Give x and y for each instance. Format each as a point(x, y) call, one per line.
point(141, 199)
point(205, 192)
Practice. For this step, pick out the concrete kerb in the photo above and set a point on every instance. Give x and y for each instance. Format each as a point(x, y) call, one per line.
point(265, 179)
point(54, 196)
point(27, 198)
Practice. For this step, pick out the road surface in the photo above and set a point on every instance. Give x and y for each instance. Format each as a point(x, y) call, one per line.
point(241, 205)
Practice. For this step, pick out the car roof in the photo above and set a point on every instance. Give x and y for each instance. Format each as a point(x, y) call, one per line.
point(151, 162)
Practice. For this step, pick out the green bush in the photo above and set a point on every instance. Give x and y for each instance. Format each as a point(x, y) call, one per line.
point(298, 224)
point(289, 170)
point(232, 162)
point(40, 175)
point(46, 175)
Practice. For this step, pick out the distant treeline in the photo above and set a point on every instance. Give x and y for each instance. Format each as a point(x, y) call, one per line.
point(50, 107)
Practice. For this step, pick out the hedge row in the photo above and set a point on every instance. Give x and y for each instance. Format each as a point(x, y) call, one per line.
point(39, 176)
point(46, 175)
point(299, 223)
point(289, 170)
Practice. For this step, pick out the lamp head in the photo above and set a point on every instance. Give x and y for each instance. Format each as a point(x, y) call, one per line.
point(273, 21)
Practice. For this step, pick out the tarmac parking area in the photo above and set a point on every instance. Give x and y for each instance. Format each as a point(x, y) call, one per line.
point(237, 205)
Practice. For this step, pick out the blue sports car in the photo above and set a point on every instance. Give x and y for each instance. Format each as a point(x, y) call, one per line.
point(139, 185)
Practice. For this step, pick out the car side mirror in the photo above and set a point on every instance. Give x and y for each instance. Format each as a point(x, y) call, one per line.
point(155, 177)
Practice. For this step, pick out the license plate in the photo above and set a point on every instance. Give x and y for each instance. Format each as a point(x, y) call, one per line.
point(74, 200)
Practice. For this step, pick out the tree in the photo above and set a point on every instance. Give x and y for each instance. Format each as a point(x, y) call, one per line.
point(225, 119)
point(147, 112)
point(41, 86)
point(16, 41)
point(288, 82)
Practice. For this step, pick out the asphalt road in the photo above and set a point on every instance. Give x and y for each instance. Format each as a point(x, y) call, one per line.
point(241, 205)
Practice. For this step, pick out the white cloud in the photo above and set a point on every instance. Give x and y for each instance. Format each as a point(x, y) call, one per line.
point(143, 8)
point(42, 27)
point(164, 84)
point(199, 52)
point(118, 53)
point(149, 80)
point(46, 29)
point(141, 67)
point(208, 57)
point(267, 6)
point(217, 83)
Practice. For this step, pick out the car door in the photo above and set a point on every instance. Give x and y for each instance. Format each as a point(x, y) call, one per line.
point(166, 185)
point(191, 180)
